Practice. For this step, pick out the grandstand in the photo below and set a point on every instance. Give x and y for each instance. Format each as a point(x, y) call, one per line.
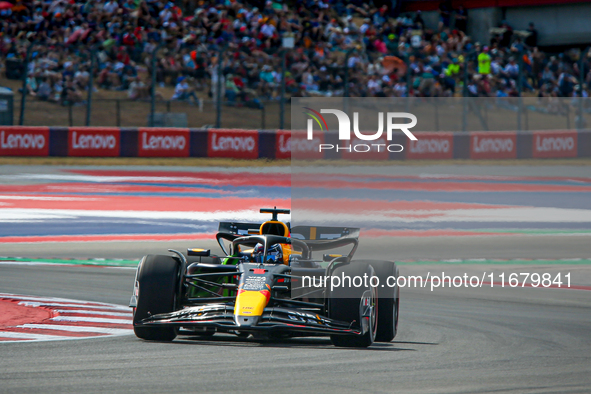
point(120, 56)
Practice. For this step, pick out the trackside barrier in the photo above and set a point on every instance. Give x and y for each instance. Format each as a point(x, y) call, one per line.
point(279, 144)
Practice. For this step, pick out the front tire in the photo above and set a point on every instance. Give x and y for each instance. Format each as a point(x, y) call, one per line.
point(388, 301)
point(344, 304)
point(158, 279)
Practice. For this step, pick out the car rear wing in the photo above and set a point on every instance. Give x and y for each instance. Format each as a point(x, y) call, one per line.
point(241, 229)
point(315, 238)
point(322, 233)
point(325, 238)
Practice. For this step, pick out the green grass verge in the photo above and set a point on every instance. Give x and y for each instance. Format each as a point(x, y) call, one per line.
point(96, 262)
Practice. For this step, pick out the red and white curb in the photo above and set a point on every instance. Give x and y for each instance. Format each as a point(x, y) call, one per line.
point(33, 318)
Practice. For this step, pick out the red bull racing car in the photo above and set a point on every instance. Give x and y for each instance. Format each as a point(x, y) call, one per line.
point(268, 284)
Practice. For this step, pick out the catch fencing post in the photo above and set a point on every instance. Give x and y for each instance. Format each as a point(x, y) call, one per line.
point(435, 101)
point(118, 108)
point(218, 118)
point(465, 94)
point(90, 85)
point(287, 42)
point(153, 88)
point(519, 90)
point(153, 85)
point(282, 96)
point(346, 79)
point(346, 76)
point(408, 81)
point(580, 121)
point(25, 72)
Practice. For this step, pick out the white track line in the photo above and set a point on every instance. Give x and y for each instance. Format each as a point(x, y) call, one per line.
point(44, 263)
point(35, 214)
point(101, 330)
point(114, 319)
point(91, 319)
point(56, 299)
point(40, 298)
point(128, 314)
point(47, 198)
point(104, 307)
point(37, 337)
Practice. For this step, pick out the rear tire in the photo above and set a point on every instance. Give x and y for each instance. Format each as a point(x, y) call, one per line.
point(158, 278)
point(344, 305)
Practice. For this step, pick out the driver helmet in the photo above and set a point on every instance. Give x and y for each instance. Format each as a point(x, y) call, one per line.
point(257, 253)
point(275, 254)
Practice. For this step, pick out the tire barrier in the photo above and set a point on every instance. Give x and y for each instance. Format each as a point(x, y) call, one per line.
point(279, 144)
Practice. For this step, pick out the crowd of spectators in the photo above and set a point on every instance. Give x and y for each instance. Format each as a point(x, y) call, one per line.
point(384, 53)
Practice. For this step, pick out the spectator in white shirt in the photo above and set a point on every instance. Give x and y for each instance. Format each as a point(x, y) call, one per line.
point(111, 6)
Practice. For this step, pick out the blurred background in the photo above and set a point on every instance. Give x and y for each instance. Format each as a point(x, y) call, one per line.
point(133, 63)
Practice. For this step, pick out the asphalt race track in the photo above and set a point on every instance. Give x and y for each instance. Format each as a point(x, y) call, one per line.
point(450, 340)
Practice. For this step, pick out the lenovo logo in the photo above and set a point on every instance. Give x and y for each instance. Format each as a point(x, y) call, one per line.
point(431, 145)
point(163, 142)
point(238, 144)
point(492, 144)
point(554, 144)
point(22, 141)
point(500, 145)
point(289, 144)
point(232, 143)
point(93, 141)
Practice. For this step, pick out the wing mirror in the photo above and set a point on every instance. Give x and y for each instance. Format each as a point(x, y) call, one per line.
point(330, 257)
point(197, 252)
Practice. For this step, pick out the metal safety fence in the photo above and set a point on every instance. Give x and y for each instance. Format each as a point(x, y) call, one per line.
point(69, 85)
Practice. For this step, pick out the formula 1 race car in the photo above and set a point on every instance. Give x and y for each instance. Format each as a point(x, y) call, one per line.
point(268, 285)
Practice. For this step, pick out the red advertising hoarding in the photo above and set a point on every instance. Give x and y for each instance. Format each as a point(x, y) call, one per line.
point(24, 141)
point(163, 142)
point(295, 144)
point(548, 144)
point(94, 141)
point(238, 144)
point(495, 145)
point(431, 146)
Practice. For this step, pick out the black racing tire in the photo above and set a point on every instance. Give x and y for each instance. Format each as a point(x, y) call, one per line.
point(388, 300)
point(158, 279)
point(344, 305)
